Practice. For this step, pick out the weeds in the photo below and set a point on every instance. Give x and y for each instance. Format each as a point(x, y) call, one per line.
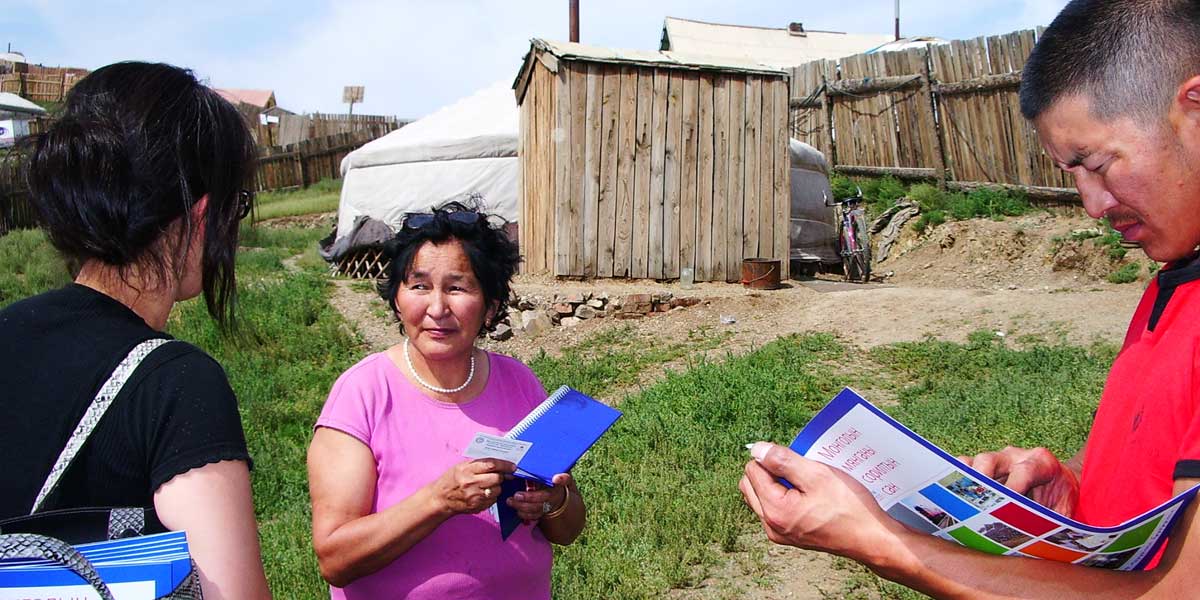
point(1127, 273)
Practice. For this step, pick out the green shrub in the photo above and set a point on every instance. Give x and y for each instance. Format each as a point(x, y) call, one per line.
point(842, 186)
point(928, 196)
point(1126, 274)
point(929, 219)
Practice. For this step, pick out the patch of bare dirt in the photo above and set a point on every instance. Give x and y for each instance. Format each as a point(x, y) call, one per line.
point(1034, 250)
point(324, 221)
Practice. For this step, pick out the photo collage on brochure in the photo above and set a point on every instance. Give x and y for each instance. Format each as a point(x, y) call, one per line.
point(958, 508)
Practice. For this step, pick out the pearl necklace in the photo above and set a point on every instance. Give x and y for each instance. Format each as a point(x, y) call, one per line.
point(440, 390)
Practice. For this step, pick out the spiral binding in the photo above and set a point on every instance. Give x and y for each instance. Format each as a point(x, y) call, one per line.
point(537, 413)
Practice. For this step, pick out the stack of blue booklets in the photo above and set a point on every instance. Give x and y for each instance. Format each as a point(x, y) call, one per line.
point(147, 567)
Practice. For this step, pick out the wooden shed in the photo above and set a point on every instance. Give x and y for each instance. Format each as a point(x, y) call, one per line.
point(640, 164)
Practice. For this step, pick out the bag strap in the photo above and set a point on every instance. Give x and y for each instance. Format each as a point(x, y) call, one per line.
point(91, 417)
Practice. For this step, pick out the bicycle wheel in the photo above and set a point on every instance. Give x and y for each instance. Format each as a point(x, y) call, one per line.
point(863, 255)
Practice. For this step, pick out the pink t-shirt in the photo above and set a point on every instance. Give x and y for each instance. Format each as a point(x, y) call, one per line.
point(415, 439)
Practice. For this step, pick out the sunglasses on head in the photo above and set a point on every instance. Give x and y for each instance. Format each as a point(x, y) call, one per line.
point(245, 200)
point(422, 220)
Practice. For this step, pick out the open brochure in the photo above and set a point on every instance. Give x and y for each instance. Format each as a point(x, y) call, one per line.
point(930, 490)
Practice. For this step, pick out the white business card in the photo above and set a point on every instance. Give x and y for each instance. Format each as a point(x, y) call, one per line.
point(486, 445)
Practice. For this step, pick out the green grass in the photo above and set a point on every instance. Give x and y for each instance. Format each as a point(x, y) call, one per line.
point(615, 358)
point(966, 397)
point(28, 265)
point(318, 198)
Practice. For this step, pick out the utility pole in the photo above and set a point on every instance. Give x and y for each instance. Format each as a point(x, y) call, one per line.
point(897, 20)
point(575, 21)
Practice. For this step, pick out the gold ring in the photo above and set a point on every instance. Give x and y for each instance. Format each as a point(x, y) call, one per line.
point(487, 492)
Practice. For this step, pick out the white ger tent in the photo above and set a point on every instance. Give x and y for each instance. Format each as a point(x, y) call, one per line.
point(468, 147)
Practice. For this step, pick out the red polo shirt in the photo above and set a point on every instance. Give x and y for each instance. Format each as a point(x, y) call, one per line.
point(1146, 433)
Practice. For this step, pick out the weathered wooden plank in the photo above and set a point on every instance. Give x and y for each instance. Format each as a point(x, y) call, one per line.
point(750, 152)
point(626, 148)
point(872, 85)
point(702, 173)
point(737, 178)
point(720, 203)
point(766, 167)
point(641, 174)
point(688, 205)
point(573, 241)
point(523, 174)
point(658, 133)
point(671, 170)
point(607, 202)
point(591, 167)
point(780, 180)
point(987, 83)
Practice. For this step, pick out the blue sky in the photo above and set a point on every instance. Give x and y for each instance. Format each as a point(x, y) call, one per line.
point(414, 56)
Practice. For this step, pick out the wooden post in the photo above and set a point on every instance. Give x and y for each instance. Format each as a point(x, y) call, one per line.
point(833, 154)
point(939, 155)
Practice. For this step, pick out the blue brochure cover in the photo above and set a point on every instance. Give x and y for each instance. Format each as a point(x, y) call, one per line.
point(152, 564)
point(561, 429)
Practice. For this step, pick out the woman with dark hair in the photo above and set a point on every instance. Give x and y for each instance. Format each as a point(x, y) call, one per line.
point(397, 511)
point(139, 183)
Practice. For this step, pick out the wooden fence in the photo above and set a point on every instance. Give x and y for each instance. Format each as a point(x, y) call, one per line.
point(293, 129)
point(641, 171)
point(16, 212)
point(295, 166)
point(40, 84)
point(305, 163)
point(947, 112)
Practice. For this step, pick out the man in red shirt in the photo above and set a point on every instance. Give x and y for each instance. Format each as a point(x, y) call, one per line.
point(1113, 88)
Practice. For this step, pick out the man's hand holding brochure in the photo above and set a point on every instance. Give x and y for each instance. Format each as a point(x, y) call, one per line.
point(926, 489)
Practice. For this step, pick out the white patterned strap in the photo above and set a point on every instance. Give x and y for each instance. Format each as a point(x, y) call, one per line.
point(94, 412)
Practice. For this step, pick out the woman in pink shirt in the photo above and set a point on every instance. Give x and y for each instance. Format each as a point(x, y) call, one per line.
point(398, 512)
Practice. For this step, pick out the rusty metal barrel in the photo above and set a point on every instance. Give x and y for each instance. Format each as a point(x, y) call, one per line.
point(760, 273)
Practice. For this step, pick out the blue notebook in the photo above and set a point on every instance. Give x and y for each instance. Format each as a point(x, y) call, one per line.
point(561, 429)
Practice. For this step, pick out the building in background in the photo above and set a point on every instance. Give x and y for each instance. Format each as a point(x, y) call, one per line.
point(15, 115)
point(778, 47)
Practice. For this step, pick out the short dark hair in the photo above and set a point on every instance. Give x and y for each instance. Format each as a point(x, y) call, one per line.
point(494, 257)
point(1126, 56)
point(135, 146)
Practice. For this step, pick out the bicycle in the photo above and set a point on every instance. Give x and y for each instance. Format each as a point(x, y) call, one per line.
point(854, 244)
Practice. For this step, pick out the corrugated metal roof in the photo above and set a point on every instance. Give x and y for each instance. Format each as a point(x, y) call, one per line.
point(764, 45)
point(14, 103)
point(668, 59)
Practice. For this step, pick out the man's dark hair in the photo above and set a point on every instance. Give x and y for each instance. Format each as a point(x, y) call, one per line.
point(493, 256)
point(135, 147)
point(1127, 57)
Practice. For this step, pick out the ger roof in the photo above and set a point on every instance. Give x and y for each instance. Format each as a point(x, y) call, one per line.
point(14, 103)
point(777, 47)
